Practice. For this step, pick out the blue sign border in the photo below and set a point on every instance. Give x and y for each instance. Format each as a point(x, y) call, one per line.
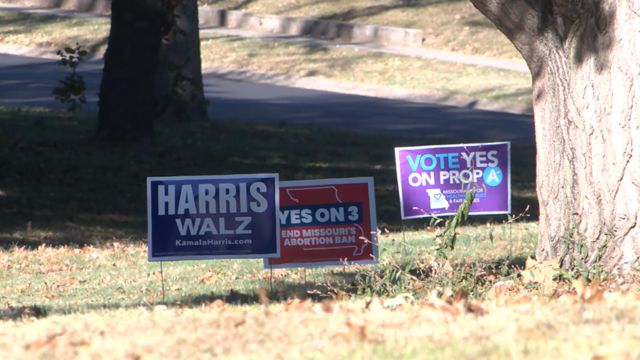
point(150, 217)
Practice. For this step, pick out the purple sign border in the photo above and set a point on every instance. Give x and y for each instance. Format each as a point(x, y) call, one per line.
point(426, 215)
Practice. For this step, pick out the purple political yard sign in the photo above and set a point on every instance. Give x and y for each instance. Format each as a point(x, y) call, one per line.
point(213, 217)
point(433, 180)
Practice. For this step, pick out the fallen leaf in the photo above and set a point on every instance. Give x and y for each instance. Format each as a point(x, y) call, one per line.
point(69, 281)
point(441, 304)
point(578, 286)
point(448, 309)
point(595, 293)
point(209, 278)
point(341, 295)
point(47, 341)
point(500, 289)
point(216, 305)
point(330, 307)
point(133, 356)
point(78, 343)
point(298, 305)
point(460, 296)
point(589, 294)
point(358, 329)
point(476, 309)
point(541, 273)
point(524, 299)
point(375, 304)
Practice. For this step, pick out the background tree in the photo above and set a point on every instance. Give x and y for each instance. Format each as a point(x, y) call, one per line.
point(126, 104)
point(180, 94)
point(584, 58)
point(152, 68)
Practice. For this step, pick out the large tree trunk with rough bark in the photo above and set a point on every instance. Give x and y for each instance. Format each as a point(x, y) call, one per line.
point(152, 68)
point(180, 94)
point(584, 58)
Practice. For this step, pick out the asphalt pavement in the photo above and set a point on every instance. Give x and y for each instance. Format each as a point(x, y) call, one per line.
point(28, 81)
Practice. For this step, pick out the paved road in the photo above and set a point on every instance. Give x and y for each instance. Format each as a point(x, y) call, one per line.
point(26, 81)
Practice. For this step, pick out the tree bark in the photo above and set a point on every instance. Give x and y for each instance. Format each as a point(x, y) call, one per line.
point(584, 58)
point(180, 93)
point(152, 68)
point(126, 104)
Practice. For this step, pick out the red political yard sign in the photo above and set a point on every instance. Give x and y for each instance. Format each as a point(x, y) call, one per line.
point(327, 222)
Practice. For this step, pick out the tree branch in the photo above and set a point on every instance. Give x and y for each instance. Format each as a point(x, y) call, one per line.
point(519, 20)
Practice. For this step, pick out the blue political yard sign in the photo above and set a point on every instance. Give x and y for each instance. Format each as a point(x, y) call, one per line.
point(213, 217)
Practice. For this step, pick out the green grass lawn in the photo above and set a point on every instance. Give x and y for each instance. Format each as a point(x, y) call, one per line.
point(75, 190)
point(75, 281)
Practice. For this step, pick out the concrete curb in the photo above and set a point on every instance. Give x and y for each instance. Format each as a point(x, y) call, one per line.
point(314, 28)
point(273, 24)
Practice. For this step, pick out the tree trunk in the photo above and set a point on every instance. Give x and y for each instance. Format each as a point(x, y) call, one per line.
point(126, 105)
point(180, 94)
point(152, 68)
point(584, 58)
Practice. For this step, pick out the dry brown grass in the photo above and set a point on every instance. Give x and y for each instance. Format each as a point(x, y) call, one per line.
point(448, 25)
point(104, 302)
point(524, 328)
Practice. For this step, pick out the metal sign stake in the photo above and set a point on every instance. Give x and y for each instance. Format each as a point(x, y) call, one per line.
point(304, 277)
point(162, 282)
point(271, 279)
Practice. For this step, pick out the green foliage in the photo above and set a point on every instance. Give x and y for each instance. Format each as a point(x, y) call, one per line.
point(583, 266)
point(579, 262)
point(71, 90)
point(407, 271)
point(447, 235)
point(410, 267)
point(400, 270)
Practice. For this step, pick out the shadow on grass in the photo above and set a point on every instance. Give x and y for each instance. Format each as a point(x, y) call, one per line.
point(69, 190)
point(23, 312)
point(282, 291)
point(390, 279)
point(239, 5)
point(281, 294)
point(352, 14)
point(472, 279)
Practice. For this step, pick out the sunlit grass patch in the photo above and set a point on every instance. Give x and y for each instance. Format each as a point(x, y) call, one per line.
point(51, 31)
point(447, 25)
point(105, 302)
point(375, 69)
